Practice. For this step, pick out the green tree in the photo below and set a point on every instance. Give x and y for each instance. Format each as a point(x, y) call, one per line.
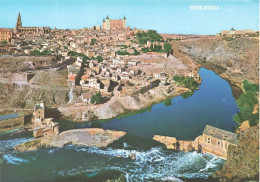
point(4, 42)
point(83, 56)
point(100, 59)
point(246, 103)
point(136, 52)
point(250, 87)
point(188, 82)
point(167, 102)
point(167, 46)
point(96, 98)
point(187, 94)
point(93, 41)
point(122, 53)
point(151, 35)
point(144, 49)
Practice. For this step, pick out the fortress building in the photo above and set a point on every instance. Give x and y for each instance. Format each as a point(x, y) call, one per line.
point(19, 28)
point(114, 24)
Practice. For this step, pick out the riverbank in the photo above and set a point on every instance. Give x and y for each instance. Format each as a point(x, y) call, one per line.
point(160, 119)
point(117, 105)
point(87, 137)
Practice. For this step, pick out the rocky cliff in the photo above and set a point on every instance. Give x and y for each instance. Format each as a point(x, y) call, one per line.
point(121, 105)
point(234, 60)
point(50, 87)
point(243, 161)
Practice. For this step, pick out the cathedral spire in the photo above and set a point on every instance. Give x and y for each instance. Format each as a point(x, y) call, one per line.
point(18, 23)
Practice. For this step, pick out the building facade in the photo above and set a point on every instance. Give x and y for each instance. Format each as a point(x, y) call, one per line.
point(114, 24)
point(216, 141)
point(20, 29)
point(43, 126)
point(213, 140)
point(6, 35)
point(238, 33)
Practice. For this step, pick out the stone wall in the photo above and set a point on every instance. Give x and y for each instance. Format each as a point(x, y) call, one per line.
point(18, 78)
point(199, 144)
point(10, 124)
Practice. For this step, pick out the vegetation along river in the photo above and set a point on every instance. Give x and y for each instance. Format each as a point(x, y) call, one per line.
point(182, 117)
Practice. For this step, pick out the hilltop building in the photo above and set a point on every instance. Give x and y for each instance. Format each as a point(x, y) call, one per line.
point(114, 24)
point(19, 28)
point(238, 33)
point(6, 34)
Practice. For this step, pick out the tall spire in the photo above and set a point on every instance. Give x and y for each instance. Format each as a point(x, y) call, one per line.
point(19, 21)
point(124, 17)
point(107, 17)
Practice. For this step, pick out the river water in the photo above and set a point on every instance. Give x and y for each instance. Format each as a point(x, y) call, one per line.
point(184, 118)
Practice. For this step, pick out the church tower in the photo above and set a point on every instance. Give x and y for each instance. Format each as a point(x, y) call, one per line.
point(106, 23)
point(18, 23)
point(124, 22)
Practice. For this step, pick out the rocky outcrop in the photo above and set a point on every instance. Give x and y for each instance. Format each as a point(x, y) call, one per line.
point(50, 87)
point(243, 161)
point(17, 96)
point(88, 136)
point(121, 105)
point(234, 60)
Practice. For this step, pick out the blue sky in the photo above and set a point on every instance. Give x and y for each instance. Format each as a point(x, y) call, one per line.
point(165, 16)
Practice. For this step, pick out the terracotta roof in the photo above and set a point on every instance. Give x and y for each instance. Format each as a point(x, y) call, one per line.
point(4, 29)
point(84, 77)
point(221, 134)
point(72, 77)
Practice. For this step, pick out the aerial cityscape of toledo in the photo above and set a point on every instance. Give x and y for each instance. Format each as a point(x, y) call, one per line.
point(129, 90)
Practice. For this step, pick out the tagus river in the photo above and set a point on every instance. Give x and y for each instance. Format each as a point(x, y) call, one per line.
point(185, 118)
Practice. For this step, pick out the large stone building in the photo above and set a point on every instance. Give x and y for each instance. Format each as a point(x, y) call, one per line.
point(216, 141)
point(43, 126)
point(6, 35)
point(114, 24)
point(19, 28)
point(238, 33)
point(213, 140)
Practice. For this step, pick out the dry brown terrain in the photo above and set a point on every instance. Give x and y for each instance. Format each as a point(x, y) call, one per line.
point(234, 60)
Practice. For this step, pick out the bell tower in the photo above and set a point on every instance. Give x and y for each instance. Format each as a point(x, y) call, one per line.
point(124, 22)
point(18, 23)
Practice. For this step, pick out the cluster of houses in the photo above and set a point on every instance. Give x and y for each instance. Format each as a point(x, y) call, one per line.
point(103, 57)
point(117, 76)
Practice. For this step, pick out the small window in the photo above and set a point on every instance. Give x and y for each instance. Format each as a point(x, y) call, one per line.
point(209, 140)
point(219, 143)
